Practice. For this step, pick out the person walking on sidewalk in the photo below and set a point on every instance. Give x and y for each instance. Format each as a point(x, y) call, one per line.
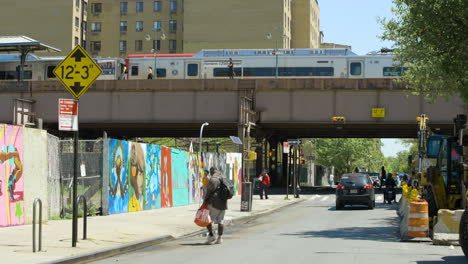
point(216, 206)
point(264, 179)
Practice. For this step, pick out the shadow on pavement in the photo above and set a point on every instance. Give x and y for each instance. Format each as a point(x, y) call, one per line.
point(383, 234)
point(448, 260)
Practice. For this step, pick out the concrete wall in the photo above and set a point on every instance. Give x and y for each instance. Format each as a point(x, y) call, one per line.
point(54, 195)
point(36, 171)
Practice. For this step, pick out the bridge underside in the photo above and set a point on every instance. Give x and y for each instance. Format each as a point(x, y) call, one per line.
point(286, 130)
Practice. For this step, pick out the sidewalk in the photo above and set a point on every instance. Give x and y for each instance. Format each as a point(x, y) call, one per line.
point(119, 233)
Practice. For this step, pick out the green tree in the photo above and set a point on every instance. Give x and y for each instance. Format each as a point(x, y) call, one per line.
point(345, 154)
point(431, 38)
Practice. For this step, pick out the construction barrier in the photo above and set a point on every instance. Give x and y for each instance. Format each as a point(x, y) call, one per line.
point(418, 219)
point(447, 227)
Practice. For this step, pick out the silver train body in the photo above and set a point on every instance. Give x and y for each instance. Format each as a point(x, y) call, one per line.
point(41, 68)
point(265, 63)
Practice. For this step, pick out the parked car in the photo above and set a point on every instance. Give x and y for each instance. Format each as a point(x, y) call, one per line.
point(355, 188)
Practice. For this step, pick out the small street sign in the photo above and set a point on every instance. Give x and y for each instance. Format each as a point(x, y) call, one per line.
point(77, 71)
point(378, 112)
point(310, 157)
point(294, 141)
point(285, 147)
point(68, 115)
point(256, 145)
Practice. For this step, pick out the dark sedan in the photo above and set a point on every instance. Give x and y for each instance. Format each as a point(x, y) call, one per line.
point(355, 188)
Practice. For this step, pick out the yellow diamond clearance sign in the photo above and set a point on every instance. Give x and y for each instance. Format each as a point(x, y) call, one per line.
point(77, 71)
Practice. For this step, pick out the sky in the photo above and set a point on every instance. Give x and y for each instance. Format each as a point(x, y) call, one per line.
point(392, 146)
point(354, 22)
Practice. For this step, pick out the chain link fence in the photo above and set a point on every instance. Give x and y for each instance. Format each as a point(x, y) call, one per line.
point(90, 173)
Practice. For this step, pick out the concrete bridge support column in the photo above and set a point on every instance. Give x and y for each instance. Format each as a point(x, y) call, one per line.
point(273, 161)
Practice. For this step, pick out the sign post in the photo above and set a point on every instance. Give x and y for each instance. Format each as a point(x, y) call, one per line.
point(77, 72)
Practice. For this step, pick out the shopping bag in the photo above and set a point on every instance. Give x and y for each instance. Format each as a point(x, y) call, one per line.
point(202, 218)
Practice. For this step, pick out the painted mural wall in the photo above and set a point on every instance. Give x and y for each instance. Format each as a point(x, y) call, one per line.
point(145, 177)
point(230, 164)
point(11, 176)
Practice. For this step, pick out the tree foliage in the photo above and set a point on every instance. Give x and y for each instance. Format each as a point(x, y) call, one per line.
point(431, 39)
point(345, 154)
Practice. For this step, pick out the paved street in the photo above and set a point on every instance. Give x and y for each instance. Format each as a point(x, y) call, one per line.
point(308, 232)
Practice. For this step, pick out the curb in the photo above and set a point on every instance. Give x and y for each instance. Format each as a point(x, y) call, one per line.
point(106, 253)
point(114, 251)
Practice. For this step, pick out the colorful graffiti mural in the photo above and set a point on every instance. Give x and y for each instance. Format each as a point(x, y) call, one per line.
point(234, 171)
point(166, 177)
point(11, 176)
point(136, 173)
point(152, 199)
point(118, 183)
point(144, 177)
point(180, 177)
point(195, 178)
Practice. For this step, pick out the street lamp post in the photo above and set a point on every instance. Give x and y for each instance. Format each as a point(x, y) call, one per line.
point(269, 36)
point(201, 133)
point(155, 48)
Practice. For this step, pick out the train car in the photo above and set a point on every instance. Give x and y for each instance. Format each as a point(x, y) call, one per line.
point(41, 68)
point(266, 63)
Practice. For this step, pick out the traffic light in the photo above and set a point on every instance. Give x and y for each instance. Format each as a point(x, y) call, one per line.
point(338, 119)
point(270, 154)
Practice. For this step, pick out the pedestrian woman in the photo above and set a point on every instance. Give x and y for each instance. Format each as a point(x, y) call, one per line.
point(264, 179)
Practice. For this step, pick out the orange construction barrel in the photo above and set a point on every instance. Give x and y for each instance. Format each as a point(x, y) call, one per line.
point(418, 219)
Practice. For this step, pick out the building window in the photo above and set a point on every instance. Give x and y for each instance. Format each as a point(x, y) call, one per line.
point(157, 6)
point(139, 26)
point(172, 45)
point(138, 45)
point(83, 44)
point(77, 3)
point(173, 7)
point(96, 8)
point(96, 27)
point(173, 26)
point(77, 41)
point(77, 22)
point(134, 71)
point(123, 46)
point(123, 26)
point(156, 25)
point(85, 26)
point(139, 7)
point(157, 44)
point(123, 8)
point(85, 7)
point(95, 46)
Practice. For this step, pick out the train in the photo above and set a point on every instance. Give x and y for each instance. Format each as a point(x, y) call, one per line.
point(41, 68)
point(213, 64)
point(265, 63)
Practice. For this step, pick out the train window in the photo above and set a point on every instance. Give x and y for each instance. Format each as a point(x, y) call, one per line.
point(393, 71)
point(50, 72)
point(161, 72)
point(355, 68)
point(192, 69)
point(282, 71)
point(12, 75)
point(134, 71)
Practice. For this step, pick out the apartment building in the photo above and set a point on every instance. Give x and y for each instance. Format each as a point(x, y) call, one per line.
point(119, 28)
point(231, 24)
point(61, 24)
point(116, 28)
